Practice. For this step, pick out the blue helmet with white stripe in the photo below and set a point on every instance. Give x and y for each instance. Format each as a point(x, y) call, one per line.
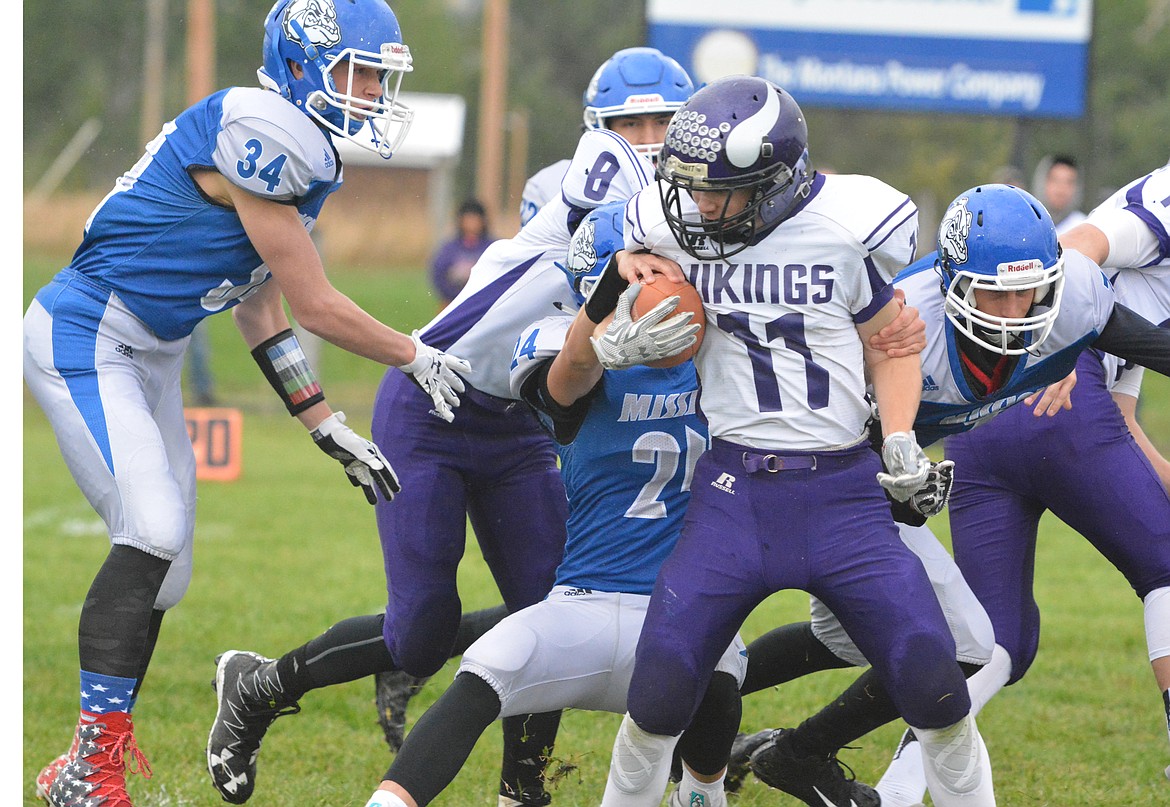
point(595, 241)
point(316, 36)
point(999, 238)
point(636, 81)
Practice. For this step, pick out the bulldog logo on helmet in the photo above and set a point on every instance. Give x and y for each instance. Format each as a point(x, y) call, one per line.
point(582, 253)
point(317, 18)
point(953, 232)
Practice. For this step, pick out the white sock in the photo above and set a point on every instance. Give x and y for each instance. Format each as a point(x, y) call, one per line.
point(993, 677)
point(384, 798)
point(904, 782)
point(694, 793)
point(639, 768)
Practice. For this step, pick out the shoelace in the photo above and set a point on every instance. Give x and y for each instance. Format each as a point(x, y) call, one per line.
point(126, 754)
point(268, 715)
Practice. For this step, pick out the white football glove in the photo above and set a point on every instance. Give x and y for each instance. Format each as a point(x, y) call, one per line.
point(907, 465)
point(932, 497)
point(434, 371)
point(626, 342)
point(364, 463)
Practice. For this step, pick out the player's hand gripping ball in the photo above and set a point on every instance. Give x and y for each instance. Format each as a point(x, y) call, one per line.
point(652, 294)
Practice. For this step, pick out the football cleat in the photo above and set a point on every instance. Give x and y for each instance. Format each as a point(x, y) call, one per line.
point(817, 781)
point(95, 776)
point(740, 763)
point(392, 692)
point(250, 697)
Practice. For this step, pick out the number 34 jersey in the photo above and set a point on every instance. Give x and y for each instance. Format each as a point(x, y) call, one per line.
point(172, 255)
point(781, 363)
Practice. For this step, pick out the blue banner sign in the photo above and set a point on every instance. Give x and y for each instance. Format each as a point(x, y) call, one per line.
point(1023, 58)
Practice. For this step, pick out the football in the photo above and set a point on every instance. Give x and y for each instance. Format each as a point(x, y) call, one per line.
point(689, 300)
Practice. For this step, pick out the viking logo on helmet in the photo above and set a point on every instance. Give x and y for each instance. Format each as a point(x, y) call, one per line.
point(318, 19)
point(953, 232)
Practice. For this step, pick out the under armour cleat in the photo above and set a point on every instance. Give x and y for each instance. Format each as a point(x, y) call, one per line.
point(817, 781)
point(740, 763)
point(95, 776)
point(392, 692)
point(250, 697)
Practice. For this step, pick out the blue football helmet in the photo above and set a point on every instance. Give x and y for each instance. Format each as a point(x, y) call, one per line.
point(318, 35)
point(736, 133)
point(1000, 238)
point(636, 81)
point(594, 242)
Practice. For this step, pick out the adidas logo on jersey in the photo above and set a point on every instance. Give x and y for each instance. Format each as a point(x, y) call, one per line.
point(657, 407)
point(928, 384)
point(724, 483)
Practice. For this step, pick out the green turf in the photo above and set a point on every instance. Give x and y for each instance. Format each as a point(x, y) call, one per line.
point(291, 548)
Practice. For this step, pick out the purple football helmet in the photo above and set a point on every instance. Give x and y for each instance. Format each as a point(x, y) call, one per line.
point(739, 132)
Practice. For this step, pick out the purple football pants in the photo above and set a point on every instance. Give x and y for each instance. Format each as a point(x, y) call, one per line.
point(749, 533)
point(1084, 466)
point(495, 465)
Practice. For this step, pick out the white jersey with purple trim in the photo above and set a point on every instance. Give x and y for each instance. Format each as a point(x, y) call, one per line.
point(516, 281)
point(1144, 284)
point(781, 364)
point(948, 404)
point(170, 254)
point(541, 188)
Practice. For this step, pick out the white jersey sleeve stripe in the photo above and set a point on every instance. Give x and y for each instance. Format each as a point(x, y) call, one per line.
point(891, 230)
point(1135, 205)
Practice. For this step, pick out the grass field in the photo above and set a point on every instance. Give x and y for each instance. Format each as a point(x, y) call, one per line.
point(290, 548)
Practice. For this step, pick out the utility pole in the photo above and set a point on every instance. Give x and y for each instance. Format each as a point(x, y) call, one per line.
point(154, 69)
point(200, 49)
point(493, 99)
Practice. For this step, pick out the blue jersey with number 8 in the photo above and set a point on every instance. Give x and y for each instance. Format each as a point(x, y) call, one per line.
point(172, 255)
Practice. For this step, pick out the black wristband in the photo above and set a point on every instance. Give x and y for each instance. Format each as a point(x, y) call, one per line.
point(604, 297)
point(284, 365)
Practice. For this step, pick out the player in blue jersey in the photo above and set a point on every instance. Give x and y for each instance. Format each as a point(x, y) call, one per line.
point(627, 470)
point(1084, 466)
point(215, 216)
point(1007, 313)
point(633, 93)
point(492, 456)
point(794, 271)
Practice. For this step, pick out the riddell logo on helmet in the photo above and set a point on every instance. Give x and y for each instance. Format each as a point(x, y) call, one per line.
point(1016, 268)
point(637, 100)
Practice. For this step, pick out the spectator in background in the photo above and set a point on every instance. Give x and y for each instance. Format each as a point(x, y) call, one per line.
point(198, 367)
point(1057, 183)
point(452, 264)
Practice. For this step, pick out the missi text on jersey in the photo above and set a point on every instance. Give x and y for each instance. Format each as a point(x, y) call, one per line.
point(658, 407)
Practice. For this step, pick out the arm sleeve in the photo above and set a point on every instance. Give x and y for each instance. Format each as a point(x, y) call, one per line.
point(562, 421)
point(1135, 339)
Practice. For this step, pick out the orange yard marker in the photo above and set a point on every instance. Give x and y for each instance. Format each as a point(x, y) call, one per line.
point(217, 437)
